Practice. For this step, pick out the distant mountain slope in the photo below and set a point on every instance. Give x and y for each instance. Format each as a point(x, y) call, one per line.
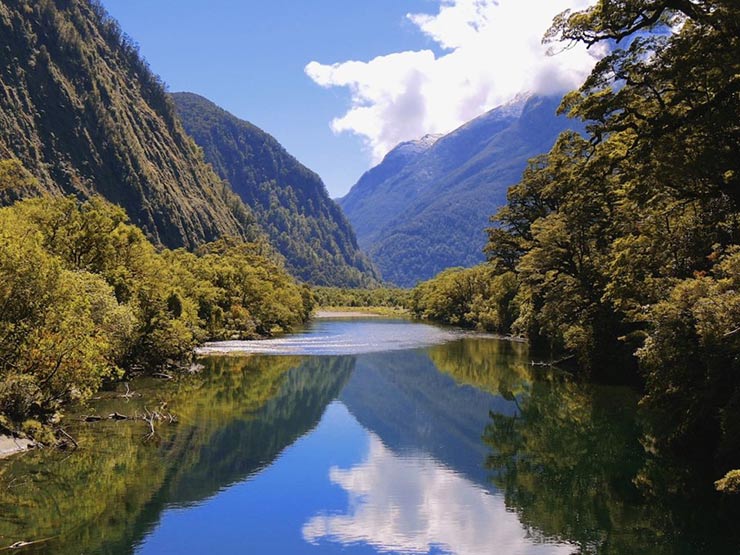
point(371, 202)
point(83, 112)
point(425, 208)
point(288, 199)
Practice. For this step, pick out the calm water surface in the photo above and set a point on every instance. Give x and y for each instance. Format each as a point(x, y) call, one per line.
point(361, 437)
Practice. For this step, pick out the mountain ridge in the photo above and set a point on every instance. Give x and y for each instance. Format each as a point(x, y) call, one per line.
point(429, 213)
point(289, 200)
point(85, 115)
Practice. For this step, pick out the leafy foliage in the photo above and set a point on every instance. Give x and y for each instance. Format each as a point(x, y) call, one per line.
point(83, 295)
point(472, 298)
point(633, 241)
point(692, 365)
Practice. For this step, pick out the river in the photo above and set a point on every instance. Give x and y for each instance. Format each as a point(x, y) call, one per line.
point(361, 436)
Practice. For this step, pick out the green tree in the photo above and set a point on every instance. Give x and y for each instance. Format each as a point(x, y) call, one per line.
point(84, 296)
point(473, 297)
point(62, 332)
point(624, 240)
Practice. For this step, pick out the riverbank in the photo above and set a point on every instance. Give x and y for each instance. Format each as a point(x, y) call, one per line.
point(361, 312)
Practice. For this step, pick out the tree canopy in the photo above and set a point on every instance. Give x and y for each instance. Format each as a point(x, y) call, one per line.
point(84, 297)
point(623, 240)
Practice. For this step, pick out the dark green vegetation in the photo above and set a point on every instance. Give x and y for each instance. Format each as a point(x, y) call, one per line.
point(621, 248)
point(424, 208)
point(475, 297)
point(388, 297)
point(572, 466)
point(85, 296)
point(289, 200)
point(85, 115)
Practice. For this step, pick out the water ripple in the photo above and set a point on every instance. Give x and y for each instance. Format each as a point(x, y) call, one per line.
point(340, 337)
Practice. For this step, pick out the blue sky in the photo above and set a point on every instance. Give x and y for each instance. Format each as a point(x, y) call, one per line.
point(249, 57)
point(341, 82)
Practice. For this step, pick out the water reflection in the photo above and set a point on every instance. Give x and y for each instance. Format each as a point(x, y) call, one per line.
point(414, 504)
point(572, 465)
point(413, 407)
point(234, 420)
point(498, 367)
point(459, 447)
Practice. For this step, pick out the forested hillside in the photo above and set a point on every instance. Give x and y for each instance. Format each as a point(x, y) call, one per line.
point(425, 207)
point(289, 200)
point(84, 113)
point(620, 249)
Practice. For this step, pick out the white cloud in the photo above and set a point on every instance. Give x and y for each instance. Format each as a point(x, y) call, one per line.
point(493, 51)
point(412, 504)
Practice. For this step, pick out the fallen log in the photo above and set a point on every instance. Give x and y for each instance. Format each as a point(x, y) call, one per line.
point(553, 362)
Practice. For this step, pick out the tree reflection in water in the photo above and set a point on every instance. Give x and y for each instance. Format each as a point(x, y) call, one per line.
point(572, 465)
point(233, 420)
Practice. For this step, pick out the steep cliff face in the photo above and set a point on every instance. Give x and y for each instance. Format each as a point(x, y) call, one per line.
point(289, 200)
point(424, 209)
point(83, 112)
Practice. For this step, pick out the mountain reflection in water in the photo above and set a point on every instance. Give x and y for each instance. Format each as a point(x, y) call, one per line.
point(455, 446)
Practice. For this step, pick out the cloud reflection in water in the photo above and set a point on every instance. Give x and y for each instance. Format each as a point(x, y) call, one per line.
point(413, 504)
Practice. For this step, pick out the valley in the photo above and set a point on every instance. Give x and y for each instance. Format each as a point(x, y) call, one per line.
point(517, 332)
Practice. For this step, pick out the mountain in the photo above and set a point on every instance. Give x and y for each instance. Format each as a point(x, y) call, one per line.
point(425, 207)
point(289, 200)
point(85, 115)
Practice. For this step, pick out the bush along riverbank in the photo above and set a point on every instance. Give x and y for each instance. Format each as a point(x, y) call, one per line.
point(393, 298)
point(86, 298)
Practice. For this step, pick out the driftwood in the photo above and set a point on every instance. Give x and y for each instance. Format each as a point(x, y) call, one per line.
point(151, 417)
point(129, 394)
point(148, 416)
point(195, 368)
point(553, 362)
point(112, 416)
point(69, 437)
point(22, 544)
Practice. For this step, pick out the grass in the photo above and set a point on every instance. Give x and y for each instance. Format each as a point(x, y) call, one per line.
point(390, 311)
